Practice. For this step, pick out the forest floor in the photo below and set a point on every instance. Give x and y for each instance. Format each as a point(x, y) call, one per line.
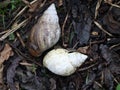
point(91, 27)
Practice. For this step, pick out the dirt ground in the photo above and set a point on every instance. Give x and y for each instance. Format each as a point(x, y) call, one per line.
point(91, 27)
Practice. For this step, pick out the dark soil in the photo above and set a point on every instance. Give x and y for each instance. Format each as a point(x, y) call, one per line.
point(82, 25)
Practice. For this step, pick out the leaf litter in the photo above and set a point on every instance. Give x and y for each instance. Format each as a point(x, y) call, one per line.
point(88, 26)
point(4, 55)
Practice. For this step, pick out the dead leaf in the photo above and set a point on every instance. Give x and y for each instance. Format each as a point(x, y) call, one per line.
point(89, 81)
point(108, 79)
point(6, 53)
point(11, 72)
point(112, 58)
point(29, 81)
point(82, 23)
point(112, 24)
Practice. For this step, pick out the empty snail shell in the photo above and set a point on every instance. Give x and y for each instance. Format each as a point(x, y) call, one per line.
point(45, 33)
point(62, 62)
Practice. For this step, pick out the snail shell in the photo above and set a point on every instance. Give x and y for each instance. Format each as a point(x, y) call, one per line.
point(61, 62)
point(45, 33)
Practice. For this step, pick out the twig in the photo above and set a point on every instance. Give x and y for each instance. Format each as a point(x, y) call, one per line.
point(83, 69)
point(23, 10)
point(114, 5)
point(99, 26)
point(63, 26)
point(4, 32)
point(25, 64)
point(16, 27)
point(98, 84)
point(22, 42)
point(27, 3)
point(75, 45)
point(24, 56)
point(115, 46)
point(97, 7)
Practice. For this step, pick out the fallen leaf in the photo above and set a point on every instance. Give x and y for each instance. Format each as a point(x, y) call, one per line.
point(6, 53)
point(89, 81)
point(82, 23)
point(29, 81)
point(111, 24)
point(112, 58)
point(108, 79)
point(11, 72)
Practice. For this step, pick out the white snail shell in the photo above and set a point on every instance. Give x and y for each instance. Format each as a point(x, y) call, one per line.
point(61, 62)
point(45, 33)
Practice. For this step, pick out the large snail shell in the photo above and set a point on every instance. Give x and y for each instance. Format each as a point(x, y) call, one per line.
point(45, 33)
point(61, 62)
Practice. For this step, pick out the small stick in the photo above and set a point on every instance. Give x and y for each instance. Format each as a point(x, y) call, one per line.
point(21, 40)
point(25, 64)
point(97, 7)
point(63, 26)
point(4, 32)
point(114, 5)
point(98, 84)
point(115, 46)
point(23, 10)
point(16, 27)
point(99, 26)
point(83, 69)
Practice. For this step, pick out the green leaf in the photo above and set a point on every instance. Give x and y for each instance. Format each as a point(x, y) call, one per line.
point(11, 36)
point(118, 87)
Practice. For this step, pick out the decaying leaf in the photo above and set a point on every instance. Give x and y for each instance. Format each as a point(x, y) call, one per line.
point(89, 81)
point(29, 81)
point(81, 22)
point(112, 58)
point(4, 55)
point(112, 25)
point(11, 72)
point(108, 79)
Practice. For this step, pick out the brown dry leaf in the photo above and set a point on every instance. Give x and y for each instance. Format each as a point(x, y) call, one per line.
point(6, 53)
